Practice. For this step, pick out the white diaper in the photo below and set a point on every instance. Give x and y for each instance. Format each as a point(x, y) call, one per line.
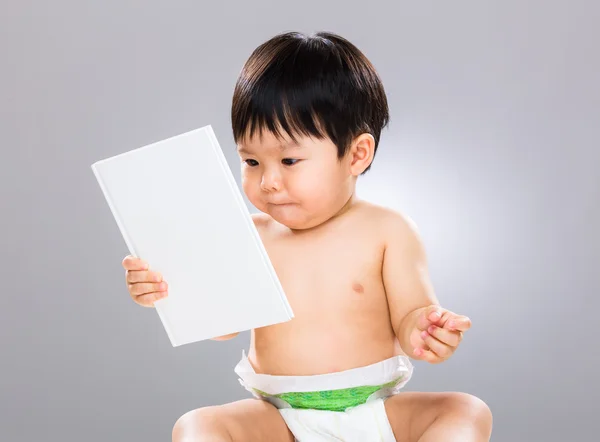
point(364, 423)
point(346, 406)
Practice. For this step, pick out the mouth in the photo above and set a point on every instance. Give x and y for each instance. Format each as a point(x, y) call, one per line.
point(279, 204)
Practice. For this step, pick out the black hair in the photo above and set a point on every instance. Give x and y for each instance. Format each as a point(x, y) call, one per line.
point(318, 85)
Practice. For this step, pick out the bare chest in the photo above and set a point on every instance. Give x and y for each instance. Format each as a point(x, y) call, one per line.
point(325, 275)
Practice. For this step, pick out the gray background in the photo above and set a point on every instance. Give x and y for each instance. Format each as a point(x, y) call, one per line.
point(493, 150)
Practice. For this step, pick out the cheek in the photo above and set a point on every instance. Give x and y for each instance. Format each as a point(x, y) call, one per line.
point(250, 187)
point(315, 190)
point(303, 186)
point(325, 179)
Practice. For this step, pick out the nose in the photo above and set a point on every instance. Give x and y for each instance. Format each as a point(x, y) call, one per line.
point(271, 182)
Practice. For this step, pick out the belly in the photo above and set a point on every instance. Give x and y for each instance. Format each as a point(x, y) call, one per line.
point(334, 337)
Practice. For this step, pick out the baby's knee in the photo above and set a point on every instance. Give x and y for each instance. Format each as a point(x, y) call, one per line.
point(470, 407)
point(200, 425)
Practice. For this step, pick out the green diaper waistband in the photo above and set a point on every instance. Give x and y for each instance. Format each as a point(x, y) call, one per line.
point(336, 391)
point(331, 400)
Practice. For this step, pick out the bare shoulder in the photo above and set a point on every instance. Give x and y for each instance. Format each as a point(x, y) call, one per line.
point(394, 225)
point(388, 218)
point(261, 220)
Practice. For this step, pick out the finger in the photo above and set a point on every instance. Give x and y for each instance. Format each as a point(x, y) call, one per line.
point(446, 336)
point(429, 316)
point(427, 355)
point(461, 323)
point(135, 276)
point(142, 288)
point(133, 263)
point(439, 348)
point(149, 299)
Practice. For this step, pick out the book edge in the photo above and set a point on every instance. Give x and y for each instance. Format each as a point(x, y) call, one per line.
point(128, 242)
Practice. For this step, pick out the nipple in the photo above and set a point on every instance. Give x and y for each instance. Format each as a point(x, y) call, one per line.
point(358, 288)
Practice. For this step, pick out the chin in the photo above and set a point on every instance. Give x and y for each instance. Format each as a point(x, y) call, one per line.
point(295, 225)
point(289, 216)
point(298, 223)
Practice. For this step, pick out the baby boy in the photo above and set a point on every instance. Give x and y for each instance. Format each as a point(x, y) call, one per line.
point(307, 115)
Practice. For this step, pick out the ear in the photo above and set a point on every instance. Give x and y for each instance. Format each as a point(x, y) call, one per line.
point(361, 153)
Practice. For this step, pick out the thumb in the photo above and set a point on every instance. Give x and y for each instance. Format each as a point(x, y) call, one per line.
point(429, 315)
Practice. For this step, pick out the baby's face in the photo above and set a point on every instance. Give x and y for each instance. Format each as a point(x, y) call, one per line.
point(299, 185)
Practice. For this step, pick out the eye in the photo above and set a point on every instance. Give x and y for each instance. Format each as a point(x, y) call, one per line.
point(289, 161)
point(251, 163)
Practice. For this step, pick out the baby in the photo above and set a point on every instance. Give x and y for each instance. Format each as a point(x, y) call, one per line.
point(307, 115)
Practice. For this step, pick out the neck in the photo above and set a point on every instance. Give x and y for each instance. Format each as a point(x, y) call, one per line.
point(347, 206)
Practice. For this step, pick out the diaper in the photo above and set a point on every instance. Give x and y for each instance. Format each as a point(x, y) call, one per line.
point(347, 405)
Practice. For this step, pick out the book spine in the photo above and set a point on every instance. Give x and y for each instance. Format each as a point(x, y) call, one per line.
point(128, 242)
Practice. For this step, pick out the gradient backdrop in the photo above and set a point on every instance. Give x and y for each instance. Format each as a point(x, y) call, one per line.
point(493, 149)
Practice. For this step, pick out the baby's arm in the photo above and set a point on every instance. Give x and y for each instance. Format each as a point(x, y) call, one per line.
point(225, 337)
point(405, 277)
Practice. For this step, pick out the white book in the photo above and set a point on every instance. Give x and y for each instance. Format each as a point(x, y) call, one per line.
point(178, 207)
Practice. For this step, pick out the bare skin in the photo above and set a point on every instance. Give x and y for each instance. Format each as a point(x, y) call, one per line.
point(332, 278)
point(356, 278)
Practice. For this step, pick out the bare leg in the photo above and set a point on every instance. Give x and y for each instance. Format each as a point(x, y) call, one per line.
point(248, 420)
point(431, 417)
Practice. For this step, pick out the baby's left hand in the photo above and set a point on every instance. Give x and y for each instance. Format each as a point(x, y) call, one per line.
point(437, 334)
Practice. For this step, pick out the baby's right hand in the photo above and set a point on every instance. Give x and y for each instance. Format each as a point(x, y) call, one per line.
point(145, 286)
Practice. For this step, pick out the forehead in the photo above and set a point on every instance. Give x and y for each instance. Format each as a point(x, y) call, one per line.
point(267, 141)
